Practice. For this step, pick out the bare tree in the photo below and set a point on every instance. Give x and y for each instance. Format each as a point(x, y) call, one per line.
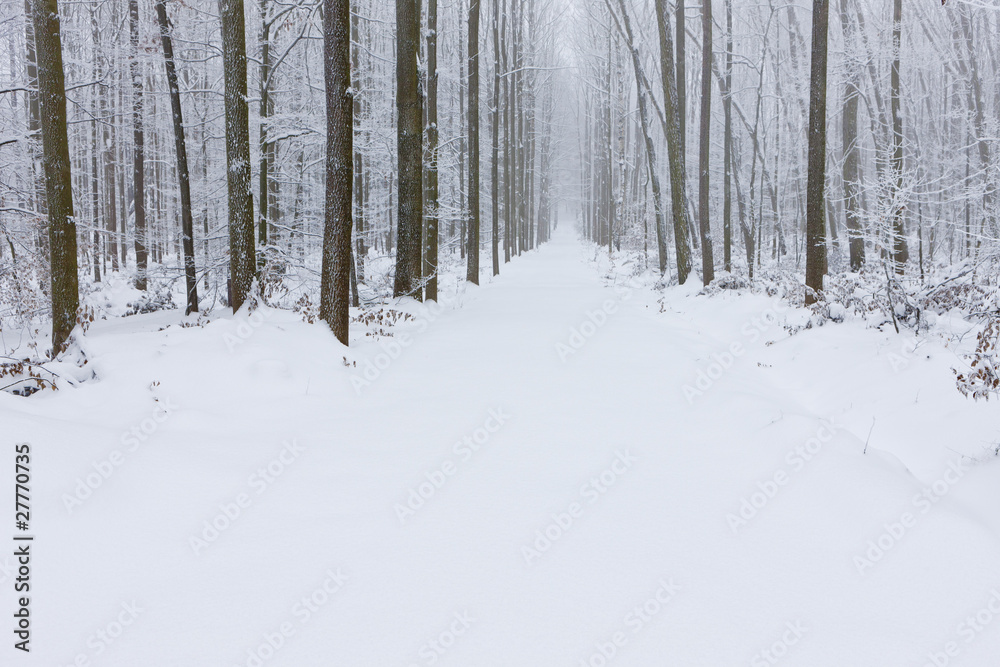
point(643, 91)
point(727, 146)
point(65, 287)
point(705, 145)
point(494, 162)
point(183, 177)
point(850, 172)
point(899, 250)
point(431, 206)
point(242, 263)
point(472, 274)
point(335, 287)
point(409, 146)
point(675, 149)
point(138, 150)
point(816, 179)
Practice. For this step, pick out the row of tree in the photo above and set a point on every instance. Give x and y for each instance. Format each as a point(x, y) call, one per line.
point(391, 140)
point(319, 168)
point(774, 150)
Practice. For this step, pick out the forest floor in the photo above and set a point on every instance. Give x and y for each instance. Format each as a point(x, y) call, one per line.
point(546, 470)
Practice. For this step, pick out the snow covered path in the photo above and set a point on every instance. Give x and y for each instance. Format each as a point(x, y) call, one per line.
point(524, 477)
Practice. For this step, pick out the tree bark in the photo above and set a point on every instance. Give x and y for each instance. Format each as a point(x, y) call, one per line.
point(473, 256)
point(431, 208)
point(242, 263)
point(65, 289)
point(187, 218)
point(674, 146)
point(494, 162)
point(705, 146)
point(727, 146)
point(409, 145)
point(138, 151)
point(335, 287)
point(816, 179)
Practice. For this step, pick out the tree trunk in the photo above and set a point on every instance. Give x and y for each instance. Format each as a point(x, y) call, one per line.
point(138, 151)
point(494, 162)
point(409, 145)
point(473, 266)
point(705, 146)
point(675, 149)
point(335, 287)
point(242, 263)
point(727, 146)
point(432, 217)
point(816, 180)
point(65, 289)
point(187, 218)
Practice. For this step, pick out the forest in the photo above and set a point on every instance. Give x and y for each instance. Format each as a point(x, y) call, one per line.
point(500, 332)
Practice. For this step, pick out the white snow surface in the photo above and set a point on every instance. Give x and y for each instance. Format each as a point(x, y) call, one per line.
point(599, 523)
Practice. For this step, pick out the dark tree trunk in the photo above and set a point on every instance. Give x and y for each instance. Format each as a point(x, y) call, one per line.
point(187, 218)
point(335, 287)
point(816, 180)
point(409, 144)
point(473, 266)
point(675, 149)
point(727, 146)
point(138, 151)
point(431, 232)
point(494, 162)
point(705, 145)
point(58, 180)
point(242, 263)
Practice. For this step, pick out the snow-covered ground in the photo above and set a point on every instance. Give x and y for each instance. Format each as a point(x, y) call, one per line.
point(556, 468)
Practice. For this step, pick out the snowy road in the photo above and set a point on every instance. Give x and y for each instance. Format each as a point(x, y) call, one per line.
point(545, 471)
